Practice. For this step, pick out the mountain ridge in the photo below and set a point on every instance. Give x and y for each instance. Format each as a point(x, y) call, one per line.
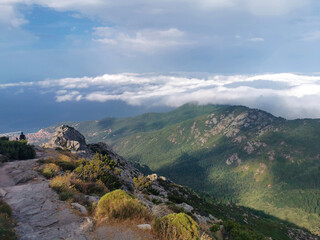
point(234, 153)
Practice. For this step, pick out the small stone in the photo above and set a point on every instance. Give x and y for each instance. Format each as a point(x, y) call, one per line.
point(144, 226)
point(79, 207)
point(153, 177)
point(3, 193)
point(163, 178)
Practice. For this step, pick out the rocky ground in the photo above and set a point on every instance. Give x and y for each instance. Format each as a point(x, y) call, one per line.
point(41, 216)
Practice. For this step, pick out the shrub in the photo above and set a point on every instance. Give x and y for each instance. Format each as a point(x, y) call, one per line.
point(141, 183)
point(99, 168)
point(15, 150)
point(176, 198)
point(214, 228)
point(97, 188)
point(5, 208)
point(177, 227)
point(67, 166)
point(238, 232)
point(6, 224)
point(66, 195)
point(50, 170)
point(65, 160)
point(4, 138)
point(121, 206)
point(6, 228)
point(61, 184)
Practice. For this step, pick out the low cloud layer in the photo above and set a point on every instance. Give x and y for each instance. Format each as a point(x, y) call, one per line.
point(287, 95)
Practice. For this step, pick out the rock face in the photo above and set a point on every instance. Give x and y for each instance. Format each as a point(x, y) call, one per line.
point(69, 138)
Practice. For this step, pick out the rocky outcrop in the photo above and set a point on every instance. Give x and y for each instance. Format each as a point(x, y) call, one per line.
point(68, 138)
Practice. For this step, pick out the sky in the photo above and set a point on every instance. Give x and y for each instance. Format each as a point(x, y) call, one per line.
point(74, 60)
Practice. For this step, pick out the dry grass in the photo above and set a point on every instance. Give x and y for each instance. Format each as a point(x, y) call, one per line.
point(205, 236)
point(119, 205)
point(61, 183)
point(65, 160)
point(97, 188)
point(50, 170)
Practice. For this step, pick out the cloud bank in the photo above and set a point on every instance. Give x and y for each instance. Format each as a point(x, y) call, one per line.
point(288, 95)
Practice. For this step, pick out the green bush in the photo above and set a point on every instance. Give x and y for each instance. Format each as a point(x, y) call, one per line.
point(66, 166)
point(99, 168)
point(176, 198)
point(239, 232)
point(6, 223)
point(121, 206)
point(5, 208)
point(142, 183)
point(177, 227)
point(214, 228)
point(15, 150)
point(66, 195)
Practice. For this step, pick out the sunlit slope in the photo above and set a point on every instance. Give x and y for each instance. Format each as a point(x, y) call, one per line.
point(234, 153)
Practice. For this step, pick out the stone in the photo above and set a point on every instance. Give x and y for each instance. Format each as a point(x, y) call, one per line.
point(144, 226)
point(93, 199)
point(186, 207)
point(163, 178)
point(3, 193)
point(153, 177)
point(67, 137)
point(79, 207)
point(233, 159)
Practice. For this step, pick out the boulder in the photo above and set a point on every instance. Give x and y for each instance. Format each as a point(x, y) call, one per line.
point(79, 207)
point(186, 207)
point(69, 138)
point(144, 226)
point(3, 193)
point(153, 177)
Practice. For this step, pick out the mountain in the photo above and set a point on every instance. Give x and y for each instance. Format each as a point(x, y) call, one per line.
point(75, 190)
point(232, 153)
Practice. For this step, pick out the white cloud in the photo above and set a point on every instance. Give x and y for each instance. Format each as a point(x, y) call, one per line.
point(256, 39)
point(298, 95)
point(146, 41)
point(74, 95)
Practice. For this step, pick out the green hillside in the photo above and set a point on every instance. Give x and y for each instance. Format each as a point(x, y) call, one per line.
point(235, 154)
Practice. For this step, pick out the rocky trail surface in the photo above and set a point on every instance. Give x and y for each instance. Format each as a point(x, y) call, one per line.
point(40, 215)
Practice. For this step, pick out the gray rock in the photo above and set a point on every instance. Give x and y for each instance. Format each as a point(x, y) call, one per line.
point(67, 137)
point(79, 207)
point(186, 207)
point(3, 193)
point(153, 177)
point(144, 226)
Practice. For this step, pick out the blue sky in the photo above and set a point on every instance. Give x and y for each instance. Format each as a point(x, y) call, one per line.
point(276, 43)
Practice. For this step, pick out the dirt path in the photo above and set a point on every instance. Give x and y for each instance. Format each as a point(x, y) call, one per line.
point(41, 216)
